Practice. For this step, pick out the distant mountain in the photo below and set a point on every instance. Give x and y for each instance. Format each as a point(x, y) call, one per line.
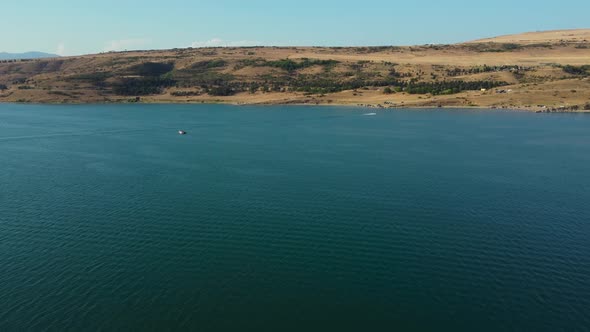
point(26, 55)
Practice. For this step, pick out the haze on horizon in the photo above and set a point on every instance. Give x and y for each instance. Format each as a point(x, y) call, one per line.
point(70, 28)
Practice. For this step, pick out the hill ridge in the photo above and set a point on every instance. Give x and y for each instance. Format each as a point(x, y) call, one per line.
point(561, 35)
point(536, 76)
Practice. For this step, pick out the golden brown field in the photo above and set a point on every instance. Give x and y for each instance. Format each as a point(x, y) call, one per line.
point(534, 71)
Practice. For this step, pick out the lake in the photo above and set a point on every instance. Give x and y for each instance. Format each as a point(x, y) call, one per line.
point(292, 218)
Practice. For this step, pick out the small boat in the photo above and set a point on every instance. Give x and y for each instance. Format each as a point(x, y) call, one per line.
point(181, 132)
point(370, 114)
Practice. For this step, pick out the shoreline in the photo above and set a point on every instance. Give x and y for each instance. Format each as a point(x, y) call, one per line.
point(344, 105)
point(516, 97)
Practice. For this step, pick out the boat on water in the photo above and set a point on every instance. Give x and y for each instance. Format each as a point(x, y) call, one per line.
point(182, 132)
point(370, 114)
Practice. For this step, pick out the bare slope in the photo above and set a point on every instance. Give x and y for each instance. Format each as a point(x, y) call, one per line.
point(554, 36)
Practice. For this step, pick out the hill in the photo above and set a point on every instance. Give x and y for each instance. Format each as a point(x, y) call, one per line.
point(517, 74)
point(554, 36)
point(26, 55)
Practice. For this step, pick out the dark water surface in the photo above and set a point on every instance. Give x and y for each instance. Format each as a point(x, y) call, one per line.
point(292, 218)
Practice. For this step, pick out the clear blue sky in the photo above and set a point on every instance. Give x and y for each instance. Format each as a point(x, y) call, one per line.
point(88, 26)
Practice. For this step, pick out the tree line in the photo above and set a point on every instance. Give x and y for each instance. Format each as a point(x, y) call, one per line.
point(484, 69)
point(577, 70)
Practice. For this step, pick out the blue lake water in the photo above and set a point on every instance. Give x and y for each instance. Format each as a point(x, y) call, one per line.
point(292, 218)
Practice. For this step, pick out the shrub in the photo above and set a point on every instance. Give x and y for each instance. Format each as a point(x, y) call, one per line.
point(223, 90)
point(97, 79)
point(184, 93)
point(450, 87)
point(205, 78)
point(290, 65)
point(151, 68)
point(576, 70)
point(208, 64)
point(90, 77)
point(141, 86)
point(253, 87)
point(61, 93)
point(510, 46)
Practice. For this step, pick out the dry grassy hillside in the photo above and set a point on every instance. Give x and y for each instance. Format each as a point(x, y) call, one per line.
point(554, 36)
point(536, 71)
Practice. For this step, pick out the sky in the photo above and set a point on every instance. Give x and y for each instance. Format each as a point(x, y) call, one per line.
point(69, 27)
